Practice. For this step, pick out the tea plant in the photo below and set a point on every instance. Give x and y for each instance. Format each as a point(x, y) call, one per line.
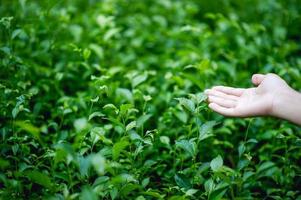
point(104, 99)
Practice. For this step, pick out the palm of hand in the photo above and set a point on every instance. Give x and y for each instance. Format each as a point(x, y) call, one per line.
point(238, 102)
point(252, 103)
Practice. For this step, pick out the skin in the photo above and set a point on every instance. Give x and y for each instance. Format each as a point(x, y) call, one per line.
point(271, 96)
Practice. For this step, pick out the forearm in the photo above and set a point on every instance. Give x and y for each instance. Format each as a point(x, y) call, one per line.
point(287, 105)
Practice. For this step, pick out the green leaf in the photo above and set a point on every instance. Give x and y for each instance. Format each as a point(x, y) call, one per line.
point(95, 114)
point(86, 54)
point(247, 175)
point(182, 181)
point(28, 127)
point(63, 151)
point(95, 99)
point(114, 193)
point(124, 178)
point(39, 178)
point(88, 194)
point(187, 103)
point(198, 98)
point(125, 94)
point(140, 198)
point(15, 33)
point(125, 108)
point(98, 50)
point(130, 126)
point(205, 129)
point(265, 165)
point(191, 192)
point(145, 182)
point(209, 186)
point(189, 146)
point(137, 80)
point(111, 106)
point(15, 112)
point(219, 191)
point(80, 124)
point(241, 149)
point(203, 65)
point(268, 169)
point(3, 163)
point(98, 134)
point(98, 162)
point(216, 163)
point(154, 193)
point(84, 165)
point(129, 188)
point(252, 140)
point(165, 140)
point(118, 147)
point(134, 136)
point(217, 194)
point(194, 80)
point(142, 119)
point(110, 33)
point(182, 116)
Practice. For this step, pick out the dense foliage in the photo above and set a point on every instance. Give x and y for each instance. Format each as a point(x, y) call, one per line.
point(103, 99)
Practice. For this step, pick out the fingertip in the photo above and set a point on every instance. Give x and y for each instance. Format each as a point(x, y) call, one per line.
point(254, 81)
point(257, 78)
point(212, 105)
point(207, 91)
point(210, 92)
point(254, 76)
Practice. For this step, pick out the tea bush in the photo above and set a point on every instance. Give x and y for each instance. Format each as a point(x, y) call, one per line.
point(104, 99)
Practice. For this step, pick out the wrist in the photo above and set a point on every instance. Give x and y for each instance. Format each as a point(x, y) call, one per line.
point(286, 105)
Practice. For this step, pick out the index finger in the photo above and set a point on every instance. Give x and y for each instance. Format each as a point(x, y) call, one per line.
point(229, 90)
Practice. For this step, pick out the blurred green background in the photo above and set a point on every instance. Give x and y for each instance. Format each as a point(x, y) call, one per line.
point(88, 106)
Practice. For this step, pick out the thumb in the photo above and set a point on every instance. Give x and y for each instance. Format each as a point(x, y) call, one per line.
point(257, 79)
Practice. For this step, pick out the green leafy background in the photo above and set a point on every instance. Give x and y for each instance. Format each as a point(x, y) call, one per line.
point(103, 99)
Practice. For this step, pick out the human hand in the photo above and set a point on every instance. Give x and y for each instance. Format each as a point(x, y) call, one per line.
point(257, 101)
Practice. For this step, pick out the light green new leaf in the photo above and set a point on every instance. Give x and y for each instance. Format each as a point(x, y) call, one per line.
point(110, 106)
point(165, 140)
point(86, 54)
point(125, 108)
point(216, 163)
point(28, 127)
point(137, 80)
point(130, 126)
point(98, 162)
point(95, 114)
point(191, 192)
point(80, 124)
point(95, 99)
point(124, 178)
